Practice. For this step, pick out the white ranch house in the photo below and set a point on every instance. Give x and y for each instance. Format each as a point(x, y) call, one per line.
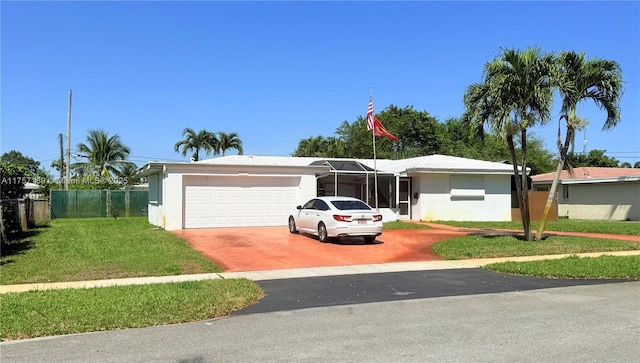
point(245, 190)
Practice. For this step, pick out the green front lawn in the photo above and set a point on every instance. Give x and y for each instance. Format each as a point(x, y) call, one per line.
point(96, 249)
point(103, 248)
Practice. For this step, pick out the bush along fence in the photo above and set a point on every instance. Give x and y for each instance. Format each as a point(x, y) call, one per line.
point(98, 203)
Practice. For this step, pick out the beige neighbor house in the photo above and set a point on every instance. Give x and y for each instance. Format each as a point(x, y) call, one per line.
point(245, 190)
point(595, 193)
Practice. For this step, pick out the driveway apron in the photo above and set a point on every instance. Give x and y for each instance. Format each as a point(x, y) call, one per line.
point(270, 248)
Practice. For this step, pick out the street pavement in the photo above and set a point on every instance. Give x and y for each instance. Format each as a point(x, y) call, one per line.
point(455, 315)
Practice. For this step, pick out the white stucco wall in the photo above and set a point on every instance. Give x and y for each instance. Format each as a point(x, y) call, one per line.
point(167, 210)
point(436, 202)
point(601, 201)
point(155, 209)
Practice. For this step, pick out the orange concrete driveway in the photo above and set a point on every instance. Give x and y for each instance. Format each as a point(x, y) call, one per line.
point(270, 248)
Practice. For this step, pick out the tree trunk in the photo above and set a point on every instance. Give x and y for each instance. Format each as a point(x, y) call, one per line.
point(556, 180)
point(526, 216)
point(519, 193)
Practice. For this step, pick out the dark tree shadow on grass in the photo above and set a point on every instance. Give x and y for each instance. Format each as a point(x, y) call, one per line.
point(18, 243)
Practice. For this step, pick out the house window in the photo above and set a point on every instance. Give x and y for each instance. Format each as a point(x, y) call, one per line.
point(565, 193)
point(467, 187)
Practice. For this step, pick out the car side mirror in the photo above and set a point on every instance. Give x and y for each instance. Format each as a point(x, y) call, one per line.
point(299, 207)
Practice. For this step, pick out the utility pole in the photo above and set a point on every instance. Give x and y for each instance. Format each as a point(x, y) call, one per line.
point(61, 163)
point(68, 178)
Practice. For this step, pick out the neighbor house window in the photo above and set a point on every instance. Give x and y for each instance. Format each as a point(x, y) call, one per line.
point(467, 187)
point(565, 194)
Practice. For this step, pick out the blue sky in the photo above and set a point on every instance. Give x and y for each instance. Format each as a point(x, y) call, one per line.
point(279, 72)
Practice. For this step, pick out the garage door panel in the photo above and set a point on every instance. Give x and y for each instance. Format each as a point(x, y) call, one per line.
point(234, 202)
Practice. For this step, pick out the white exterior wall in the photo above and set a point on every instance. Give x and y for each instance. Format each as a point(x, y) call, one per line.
point(601, 201)
point(155, 209)
point(436, 203)
point(173, 195)
point(167, 210)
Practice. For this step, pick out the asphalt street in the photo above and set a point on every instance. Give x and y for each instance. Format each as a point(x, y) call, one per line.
point(428, 316)
point(292, 294)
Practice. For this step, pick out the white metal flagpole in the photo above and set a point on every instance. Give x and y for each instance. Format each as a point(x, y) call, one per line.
point(373, 136)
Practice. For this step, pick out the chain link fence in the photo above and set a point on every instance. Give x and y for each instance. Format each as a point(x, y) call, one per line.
point(98, 203)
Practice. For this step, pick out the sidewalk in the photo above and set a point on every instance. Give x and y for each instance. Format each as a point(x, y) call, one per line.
point(302, 272)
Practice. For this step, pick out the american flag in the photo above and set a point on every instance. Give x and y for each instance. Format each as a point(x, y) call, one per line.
point(370, 116)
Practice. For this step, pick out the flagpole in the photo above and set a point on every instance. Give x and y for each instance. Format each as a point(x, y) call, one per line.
point(375, 168)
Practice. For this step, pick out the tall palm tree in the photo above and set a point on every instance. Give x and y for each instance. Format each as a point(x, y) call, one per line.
point(579, 79)
point(228, 141)
point(516, 94)
point(104, 154)
point(196, 141)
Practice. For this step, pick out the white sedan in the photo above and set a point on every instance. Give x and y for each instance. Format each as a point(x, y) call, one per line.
point(335, 217)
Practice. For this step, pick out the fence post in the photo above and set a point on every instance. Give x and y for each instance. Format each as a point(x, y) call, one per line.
point(108, 203)
point(127, 213)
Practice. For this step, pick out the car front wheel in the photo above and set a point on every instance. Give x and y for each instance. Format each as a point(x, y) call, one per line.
point(292, 225)
point(322, 233)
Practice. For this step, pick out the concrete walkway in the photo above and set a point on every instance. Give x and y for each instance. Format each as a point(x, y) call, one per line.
point(301, 272)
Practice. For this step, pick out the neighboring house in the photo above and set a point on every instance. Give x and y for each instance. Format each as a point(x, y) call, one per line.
point(595, 193)
point(31, 190)
point(244, 190)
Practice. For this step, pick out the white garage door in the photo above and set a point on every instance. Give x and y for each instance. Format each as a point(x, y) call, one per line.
point(235, 201)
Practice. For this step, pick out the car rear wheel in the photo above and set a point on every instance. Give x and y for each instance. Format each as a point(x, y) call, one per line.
point(292, 225)
point(322, 232)
point(369, 239)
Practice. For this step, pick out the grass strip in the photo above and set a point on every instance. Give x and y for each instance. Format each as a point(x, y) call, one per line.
point(395, 225)
point(53, 312)
point(603, 267)
point(631, 228)
point(507, 246)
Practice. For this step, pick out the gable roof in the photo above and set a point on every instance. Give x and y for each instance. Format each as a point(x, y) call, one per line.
point(583, 173)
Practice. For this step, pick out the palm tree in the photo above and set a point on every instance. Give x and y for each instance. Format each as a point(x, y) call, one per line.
point(516, 94)
point(104, 154)
point(313, 147)
point(228, 141)
point(203, 140)
point(580, 79)
point(128, 175)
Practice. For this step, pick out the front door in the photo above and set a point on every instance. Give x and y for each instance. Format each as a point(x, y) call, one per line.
point(404, 195)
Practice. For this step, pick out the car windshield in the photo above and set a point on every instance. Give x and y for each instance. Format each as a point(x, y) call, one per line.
point(350, 204)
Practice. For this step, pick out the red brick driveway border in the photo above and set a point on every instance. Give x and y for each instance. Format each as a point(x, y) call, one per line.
point(270, 248)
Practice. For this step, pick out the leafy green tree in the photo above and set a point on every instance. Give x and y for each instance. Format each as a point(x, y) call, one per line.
point(16, 158)
point(578, 79)
point(104, 154)
point(516, 94)
point(625, 165)
point(637, 165)
point(13, 177)
point(594, 158)
point(418, 134)
point(196, 141)
point(228, 141)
